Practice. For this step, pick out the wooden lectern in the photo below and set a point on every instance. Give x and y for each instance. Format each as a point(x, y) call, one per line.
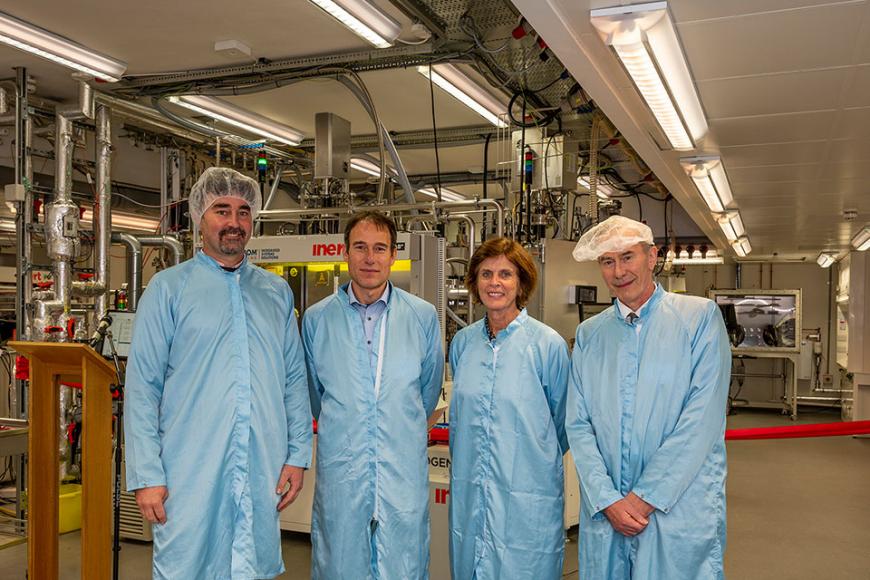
point(49, 364)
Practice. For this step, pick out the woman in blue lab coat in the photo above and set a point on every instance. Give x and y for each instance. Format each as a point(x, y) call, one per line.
point(507, 427)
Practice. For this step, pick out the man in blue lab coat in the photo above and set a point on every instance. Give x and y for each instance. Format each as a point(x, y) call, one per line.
point(376, 366)
point(218, 422)
point(646, 420)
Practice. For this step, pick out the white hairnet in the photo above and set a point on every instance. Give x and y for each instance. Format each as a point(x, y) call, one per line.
point(615, 234)
point(218, 182)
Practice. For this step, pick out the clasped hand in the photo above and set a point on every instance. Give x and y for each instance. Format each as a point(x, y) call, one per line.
point(629, 516)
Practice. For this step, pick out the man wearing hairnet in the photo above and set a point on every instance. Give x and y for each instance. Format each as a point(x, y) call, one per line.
point(218, 421)
point(646, 420)
point(375, 372)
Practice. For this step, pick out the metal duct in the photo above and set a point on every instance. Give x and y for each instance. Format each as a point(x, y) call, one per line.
point(175, 247)
point(134, 266)
point(103, 209)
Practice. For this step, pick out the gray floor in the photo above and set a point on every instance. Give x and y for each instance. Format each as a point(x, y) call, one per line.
point(797, 509)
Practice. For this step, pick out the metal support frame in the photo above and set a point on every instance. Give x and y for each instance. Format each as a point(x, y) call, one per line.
point(279, 215)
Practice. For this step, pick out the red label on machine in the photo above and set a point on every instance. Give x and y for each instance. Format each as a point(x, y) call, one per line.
point(327, 249)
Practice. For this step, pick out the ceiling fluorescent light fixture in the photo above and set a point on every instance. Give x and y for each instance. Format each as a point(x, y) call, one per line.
point(645, 41)
point(825, 260)
point(238, 117)
point(708, 175)
point(603, 191)
point(124, 221)
point(698, 261)
point(50, 46)
point(742, 247)
point(363, 19)
point(370, 167)
point(861, 240)
point(467, 91)
point(731, 224)
point(446, 194)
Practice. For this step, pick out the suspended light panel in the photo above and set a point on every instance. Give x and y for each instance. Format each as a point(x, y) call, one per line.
point(712, 261)
point(446, 194)
point(708, 175)
point(467, 91)
point(42, 43)
point(861, 240)
point(363, 19)
point(742, 247)
point(644, 39)
point(732, 225)
point(366, 166)
point(125, 221)
point(602, 191)
point(825, 260)
point(238, 117)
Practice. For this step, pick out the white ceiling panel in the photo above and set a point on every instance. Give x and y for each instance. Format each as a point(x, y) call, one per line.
point(751, 175)
point(849, 150)
point(859, 87)
point(853, 124)
point(773, 154)
point(775, 93)
point(686, 10)
point(773, 41)
point(773, 128)
point(165, 35)
point(852, 189)
point(851, 170)
point(52, 80)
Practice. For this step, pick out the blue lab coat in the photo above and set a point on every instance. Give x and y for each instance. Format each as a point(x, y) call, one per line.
point(371, 515)
point(646, 413)
point(216, 404)
point(507, 439)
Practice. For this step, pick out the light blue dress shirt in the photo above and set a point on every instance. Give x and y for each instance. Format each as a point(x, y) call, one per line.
point(369, 314)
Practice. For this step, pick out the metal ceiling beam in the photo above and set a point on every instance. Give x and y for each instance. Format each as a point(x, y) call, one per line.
point(410, 139)
point(386, 58)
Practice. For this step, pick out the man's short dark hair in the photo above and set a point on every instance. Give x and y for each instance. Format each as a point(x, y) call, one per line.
point(376, 218)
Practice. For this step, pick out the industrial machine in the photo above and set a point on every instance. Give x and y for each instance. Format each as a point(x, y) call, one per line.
point(314, 267)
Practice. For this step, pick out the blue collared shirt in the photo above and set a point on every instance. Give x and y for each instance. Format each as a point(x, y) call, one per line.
point(369, 315)
point(624, 311)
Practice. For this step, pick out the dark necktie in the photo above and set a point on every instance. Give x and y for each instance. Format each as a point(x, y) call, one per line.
point(631, 318)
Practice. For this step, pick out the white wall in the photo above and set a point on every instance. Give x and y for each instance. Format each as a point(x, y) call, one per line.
point(817, 287)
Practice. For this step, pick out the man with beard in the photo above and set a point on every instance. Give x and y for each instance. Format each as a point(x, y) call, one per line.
point(218, 422)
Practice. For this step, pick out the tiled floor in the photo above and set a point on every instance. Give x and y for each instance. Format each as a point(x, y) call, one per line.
point(797, 509)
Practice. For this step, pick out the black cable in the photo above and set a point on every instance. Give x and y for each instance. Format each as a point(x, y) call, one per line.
point(564, 75)
point(547, 186)
point(548, 118)
point(485, 173)
point(435, 136)
point(639, 207)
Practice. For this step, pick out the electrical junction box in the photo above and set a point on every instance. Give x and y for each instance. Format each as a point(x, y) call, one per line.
point(14, 192)
point(70, 226)
point(232, 49)
point(331, 146)
point(554, 160)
